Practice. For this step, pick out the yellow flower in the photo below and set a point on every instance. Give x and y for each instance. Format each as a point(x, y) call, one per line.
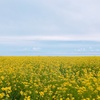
point(41, 93)
point(61, 98)
point(6, 89)
point(21, 92)
point(45, 89)
point(2, 95)
point(87, 98)
point(67, 99)
point(53, 96)
point(2, 77)
point(98, 97)
point(7, 95)
point(27, 98)
point(98, 88)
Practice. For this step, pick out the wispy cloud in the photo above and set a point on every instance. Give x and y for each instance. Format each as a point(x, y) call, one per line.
point(36, 49)
point(91, 37)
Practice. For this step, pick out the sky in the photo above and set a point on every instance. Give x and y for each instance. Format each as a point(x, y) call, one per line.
point(49, 27)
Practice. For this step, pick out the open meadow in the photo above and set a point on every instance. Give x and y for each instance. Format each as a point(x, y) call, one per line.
point(49, 78)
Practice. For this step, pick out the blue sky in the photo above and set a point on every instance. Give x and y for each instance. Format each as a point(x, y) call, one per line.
point(50, 27)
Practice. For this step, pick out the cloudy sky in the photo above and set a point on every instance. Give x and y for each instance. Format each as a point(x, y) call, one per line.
point(50, 27)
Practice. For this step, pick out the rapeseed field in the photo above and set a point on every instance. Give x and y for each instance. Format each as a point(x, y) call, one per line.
point(49, 78)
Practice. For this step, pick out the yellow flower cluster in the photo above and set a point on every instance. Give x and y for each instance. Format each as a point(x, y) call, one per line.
point(49, 78)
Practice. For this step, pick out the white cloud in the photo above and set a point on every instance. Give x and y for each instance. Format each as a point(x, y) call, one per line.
point(29, 49)
point(81, 50)
point(36, 49)
point(88, 37)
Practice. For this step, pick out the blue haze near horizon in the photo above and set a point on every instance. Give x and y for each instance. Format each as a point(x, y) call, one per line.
point(49, 28)
point(53, 48)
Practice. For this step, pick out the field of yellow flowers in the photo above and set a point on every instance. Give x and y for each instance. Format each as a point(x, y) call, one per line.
point(49, 78)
